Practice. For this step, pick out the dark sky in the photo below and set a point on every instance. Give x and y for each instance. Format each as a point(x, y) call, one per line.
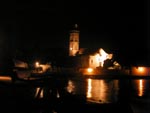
point(37, 24)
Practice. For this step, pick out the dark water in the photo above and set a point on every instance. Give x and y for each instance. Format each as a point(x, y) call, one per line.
point(71, 95)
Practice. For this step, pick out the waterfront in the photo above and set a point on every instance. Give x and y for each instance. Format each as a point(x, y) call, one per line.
point(76, 94)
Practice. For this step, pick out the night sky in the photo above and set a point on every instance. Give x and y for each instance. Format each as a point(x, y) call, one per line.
point(116, 24)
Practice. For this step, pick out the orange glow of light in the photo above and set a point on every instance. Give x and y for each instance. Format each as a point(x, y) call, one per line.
point(37, 64)
point(89, 88)
point(102, 90)
point(5, 78)
point(97, 91)
point(90, 70)
point(71, 48)
point(140, 69)
point(140, 88)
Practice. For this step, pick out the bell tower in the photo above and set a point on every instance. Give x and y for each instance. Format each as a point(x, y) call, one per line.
point(74, 41)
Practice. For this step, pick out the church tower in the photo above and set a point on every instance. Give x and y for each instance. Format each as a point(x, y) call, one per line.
point(74, 41)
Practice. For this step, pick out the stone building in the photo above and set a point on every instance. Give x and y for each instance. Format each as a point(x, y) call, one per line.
point(85, 58)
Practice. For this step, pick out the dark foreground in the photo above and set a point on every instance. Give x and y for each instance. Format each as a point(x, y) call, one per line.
point(67, 105)
point(19, 98)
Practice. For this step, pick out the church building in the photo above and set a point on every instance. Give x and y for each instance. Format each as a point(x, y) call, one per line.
point(84, 57)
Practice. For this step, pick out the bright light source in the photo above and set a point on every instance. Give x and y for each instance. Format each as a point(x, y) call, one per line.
point(140, 69)
point(103, 56)
point(90, 70)
point(37, 64)
point(71, 48)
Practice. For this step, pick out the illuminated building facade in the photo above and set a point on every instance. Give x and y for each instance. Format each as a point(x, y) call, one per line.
point(74, 41)
point(93, 60)
point(84, 57)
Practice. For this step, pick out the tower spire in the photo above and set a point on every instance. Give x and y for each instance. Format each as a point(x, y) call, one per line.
point(76, 26)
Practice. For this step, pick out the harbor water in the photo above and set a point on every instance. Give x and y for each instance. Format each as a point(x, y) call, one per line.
point(75, 94)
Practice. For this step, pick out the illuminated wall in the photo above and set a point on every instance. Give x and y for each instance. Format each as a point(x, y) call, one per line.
point(94, 61)
point(98, 59)
point(74, 42)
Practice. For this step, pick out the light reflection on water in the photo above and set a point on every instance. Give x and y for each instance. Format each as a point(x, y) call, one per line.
point(107, 91)
point(140, 93)
point(39, 92)
point(140, 86)
point(102, 91)
point(89, 87)
point(94, 90)
point(98, 91)
point(70, 87)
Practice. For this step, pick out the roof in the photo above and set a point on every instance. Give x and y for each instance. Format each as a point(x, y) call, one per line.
point(90, 51)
